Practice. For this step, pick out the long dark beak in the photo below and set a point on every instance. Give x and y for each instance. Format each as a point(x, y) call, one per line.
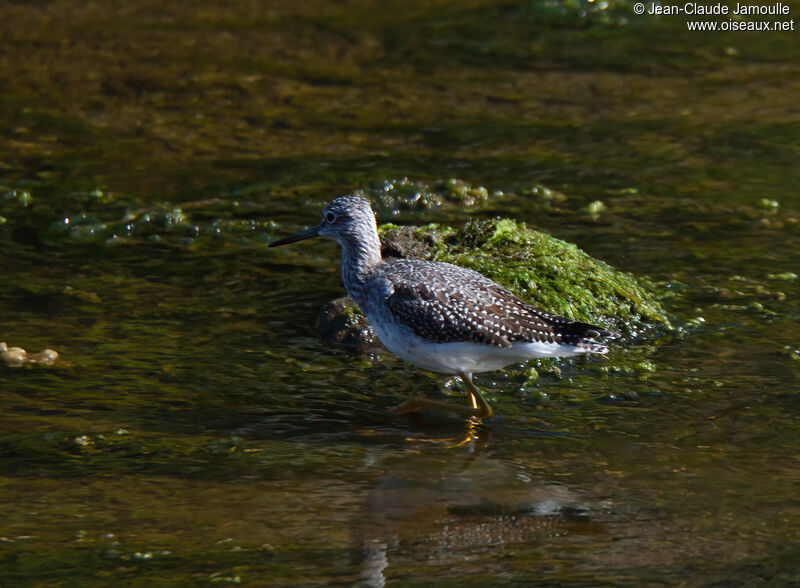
point(307, 234)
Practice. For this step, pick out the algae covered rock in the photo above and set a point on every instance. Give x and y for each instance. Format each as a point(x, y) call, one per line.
point(342, 325)
point(551, 274)
point(405, 194)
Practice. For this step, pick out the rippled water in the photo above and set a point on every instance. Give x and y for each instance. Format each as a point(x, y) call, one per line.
point(196, 429)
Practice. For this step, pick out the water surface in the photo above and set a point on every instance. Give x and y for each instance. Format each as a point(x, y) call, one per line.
point(196, 429)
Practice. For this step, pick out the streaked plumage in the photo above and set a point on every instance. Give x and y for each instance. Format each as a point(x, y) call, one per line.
point(438, 316)
point(445, 303)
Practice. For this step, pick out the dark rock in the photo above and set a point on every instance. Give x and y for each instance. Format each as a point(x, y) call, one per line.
point(404, 242)
point(342, 326)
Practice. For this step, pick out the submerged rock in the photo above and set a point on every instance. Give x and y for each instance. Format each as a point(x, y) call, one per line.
point(405, 194)
point(17, 357)
point(551, 274)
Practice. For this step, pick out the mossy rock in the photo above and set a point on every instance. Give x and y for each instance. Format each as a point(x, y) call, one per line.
point(552, 274)
point(344, 327)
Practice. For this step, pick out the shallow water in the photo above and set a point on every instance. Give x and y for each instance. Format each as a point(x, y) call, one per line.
point(196, 429)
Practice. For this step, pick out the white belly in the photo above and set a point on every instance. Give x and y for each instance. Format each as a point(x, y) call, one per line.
point(454, 358)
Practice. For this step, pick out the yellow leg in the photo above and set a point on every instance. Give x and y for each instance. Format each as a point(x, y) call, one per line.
point(480, 408)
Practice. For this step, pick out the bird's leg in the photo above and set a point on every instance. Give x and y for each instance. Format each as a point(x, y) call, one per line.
point(480, 408)
point(479, 405)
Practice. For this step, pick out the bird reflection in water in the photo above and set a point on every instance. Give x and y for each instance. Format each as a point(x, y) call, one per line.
point(440, 503)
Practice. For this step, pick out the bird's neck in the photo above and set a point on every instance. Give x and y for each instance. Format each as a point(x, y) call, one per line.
point(359, 257)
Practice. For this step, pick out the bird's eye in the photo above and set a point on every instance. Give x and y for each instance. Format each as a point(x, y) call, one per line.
point(330, 217)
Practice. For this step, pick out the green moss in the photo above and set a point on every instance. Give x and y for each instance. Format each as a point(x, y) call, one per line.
point(351, 312)
point(550, 273)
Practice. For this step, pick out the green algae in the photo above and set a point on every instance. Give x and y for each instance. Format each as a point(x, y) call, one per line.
point(594, 208)
point(406, 194)
point(548, 272)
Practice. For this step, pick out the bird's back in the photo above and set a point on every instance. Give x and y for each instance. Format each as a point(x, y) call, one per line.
point(444, 303)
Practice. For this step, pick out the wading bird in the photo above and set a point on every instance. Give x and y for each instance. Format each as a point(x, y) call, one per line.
point(438, 316)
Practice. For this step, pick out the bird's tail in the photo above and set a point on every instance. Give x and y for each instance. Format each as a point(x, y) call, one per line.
point(582, 335)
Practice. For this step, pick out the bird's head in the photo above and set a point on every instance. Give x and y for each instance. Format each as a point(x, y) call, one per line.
point(346, 219)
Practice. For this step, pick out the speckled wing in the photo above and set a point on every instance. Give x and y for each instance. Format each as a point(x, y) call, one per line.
point(444, 303)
